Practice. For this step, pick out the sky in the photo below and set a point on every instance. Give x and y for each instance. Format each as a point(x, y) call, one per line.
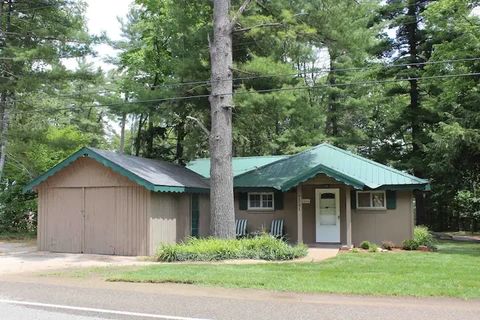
point(102, 17)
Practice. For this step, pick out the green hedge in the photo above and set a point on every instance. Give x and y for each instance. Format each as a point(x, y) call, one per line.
point(210, 249)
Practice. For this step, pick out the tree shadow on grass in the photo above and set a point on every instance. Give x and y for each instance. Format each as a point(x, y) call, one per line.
point(459, 247)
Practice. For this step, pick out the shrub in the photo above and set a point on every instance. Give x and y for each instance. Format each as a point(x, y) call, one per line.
point(209, 249)
point(373, 247)
point(365, 245)
point(409, 244)
point(388, 245)
point(423, 237)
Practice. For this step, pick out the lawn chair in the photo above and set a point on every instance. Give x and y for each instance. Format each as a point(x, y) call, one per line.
point(241, 228)
point(276, 229)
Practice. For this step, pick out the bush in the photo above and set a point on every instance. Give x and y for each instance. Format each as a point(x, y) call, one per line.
point(409, 244)
point(373, 247)
point(210, 249)
point(423, 237)
point(388, 245)
point(365, 245)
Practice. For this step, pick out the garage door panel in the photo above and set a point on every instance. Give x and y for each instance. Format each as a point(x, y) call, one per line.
point(64, 230)
point(100, 220)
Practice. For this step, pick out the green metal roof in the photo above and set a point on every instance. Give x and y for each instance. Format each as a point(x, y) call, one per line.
point(240, 164)
point(341, 165)
point(154, 175)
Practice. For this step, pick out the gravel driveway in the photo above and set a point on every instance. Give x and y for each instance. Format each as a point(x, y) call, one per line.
point(22, 257)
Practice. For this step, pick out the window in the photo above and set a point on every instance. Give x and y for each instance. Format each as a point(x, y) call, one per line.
point(260, 201)
point(371, 200)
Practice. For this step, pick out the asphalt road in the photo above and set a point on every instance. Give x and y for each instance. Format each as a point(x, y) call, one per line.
point(44, 298)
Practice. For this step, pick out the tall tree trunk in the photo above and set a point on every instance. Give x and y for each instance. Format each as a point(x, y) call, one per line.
point(180, 140)
point(331, 126)
point(150, 136)
point(4, 137)
point(121, 149)
point(138, 139)
point(414, 111)
point(4, 96)
point(222, 220)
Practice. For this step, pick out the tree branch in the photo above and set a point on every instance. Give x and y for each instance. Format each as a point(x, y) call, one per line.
point(242, 71)
point(263, 25)
point(240, 11)
point(200, 124)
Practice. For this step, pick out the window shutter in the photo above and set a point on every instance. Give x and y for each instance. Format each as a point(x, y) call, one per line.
point(353, 199)
point(243, 201)
point(278, 196)
point(391, 199)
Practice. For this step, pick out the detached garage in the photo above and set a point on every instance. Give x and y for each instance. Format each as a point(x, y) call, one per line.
point(102, 202)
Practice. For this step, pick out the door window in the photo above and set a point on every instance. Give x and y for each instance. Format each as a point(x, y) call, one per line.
point(328, 209)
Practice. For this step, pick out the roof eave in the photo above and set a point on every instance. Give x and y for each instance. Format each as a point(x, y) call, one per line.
point(341, 177)
point(87, 152)
point(180, 189)
point(399, 187)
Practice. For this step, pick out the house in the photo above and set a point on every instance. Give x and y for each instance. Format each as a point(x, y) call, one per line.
point(324, 195)
point(97, 201)
point(102, 202)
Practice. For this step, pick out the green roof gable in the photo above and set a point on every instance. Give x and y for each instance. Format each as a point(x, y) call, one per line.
point(154, 175)
point(341, 165)
point(239, 164)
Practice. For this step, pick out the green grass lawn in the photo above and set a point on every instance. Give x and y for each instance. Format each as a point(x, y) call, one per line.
point(453, 271)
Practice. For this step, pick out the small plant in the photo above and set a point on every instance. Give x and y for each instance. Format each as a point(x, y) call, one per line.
point(422, 236)
point(365, 245)
point(373, 247)
point(409, 244)
point(264, 247)
point(355, 250)
point(388, 245)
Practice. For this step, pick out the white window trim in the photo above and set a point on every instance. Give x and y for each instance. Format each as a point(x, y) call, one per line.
point(371, 207)
point(261, 201)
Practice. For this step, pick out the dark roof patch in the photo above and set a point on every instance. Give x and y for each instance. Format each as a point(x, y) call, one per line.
point(155, 175)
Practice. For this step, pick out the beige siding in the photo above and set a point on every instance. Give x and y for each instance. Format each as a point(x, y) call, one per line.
point(204, 227)
point(163, 219)
point(87, 207)
point(131, 221)
point(184, 222)
point(377, 226)
point(261, 220)
point(394, 225)
point(171, 218)
point(100, 220)
point(86, 172)
point(64, 207)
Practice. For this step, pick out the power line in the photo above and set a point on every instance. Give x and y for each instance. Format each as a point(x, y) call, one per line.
point(41, 7)
point(262, 91)
point(207, 82)
point(319, 71)
point(310, 72)
point(30, 34)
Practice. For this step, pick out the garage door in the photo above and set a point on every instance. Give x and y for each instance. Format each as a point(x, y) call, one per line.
point(100, 220)
point(65, 227)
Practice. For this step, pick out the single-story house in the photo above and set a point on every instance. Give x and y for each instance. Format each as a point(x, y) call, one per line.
point(102, 202)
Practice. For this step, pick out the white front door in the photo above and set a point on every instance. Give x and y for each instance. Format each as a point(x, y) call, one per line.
point(327, 215)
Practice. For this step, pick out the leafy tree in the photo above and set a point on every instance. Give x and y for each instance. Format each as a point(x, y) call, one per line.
point(468, 204)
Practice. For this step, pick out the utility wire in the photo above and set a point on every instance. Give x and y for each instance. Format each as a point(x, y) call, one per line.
point(359, 83)
point(309, 72)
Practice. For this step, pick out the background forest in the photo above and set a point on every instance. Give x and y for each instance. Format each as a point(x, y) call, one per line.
point(397, 81)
